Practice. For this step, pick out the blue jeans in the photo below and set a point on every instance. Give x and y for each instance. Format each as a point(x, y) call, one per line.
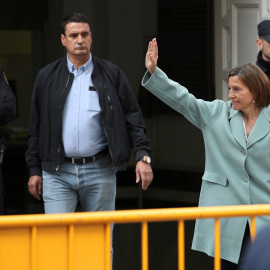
point(92, 184)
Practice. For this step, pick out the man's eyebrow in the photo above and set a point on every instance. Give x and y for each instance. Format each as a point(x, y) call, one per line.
point(77, 33)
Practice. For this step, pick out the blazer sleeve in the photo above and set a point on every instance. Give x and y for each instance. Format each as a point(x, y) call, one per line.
point(199, 112)
point(7, 101)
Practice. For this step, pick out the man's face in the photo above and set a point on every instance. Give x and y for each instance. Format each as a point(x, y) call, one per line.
point(264, 46)
point(77, 40)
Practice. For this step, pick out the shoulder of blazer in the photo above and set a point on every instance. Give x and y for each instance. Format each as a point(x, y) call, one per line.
point(266, 112)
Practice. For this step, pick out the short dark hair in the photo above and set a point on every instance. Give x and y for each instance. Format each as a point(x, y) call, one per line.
point(74, 17)
point(256, 81)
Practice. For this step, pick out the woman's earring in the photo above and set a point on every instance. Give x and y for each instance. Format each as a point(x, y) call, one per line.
point(254, 100)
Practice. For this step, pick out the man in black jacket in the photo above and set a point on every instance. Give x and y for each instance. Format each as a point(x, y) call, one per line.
point(263, 43)
point(7, 113)
point(84, 121)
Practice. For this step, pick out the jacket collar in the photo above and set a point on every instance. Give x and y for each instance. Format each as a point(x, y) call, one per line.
point(264, 65)
point(260, 129)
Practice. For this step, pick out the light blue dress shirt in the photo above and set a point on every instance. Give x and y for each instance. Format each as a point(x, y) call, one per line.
point(83, 132)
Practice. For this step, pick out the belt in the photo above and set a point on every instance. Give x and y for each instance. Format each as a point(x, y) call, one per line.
point(84, 160)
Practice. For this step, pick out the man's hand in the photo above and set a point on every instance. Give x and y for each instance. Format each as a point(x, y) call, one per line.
point(35, 186)
point(151, 56)
point(144, 173)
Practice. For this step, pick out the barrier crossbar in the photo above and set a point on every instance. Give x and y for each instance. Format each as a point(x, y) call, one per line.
point(79, 240)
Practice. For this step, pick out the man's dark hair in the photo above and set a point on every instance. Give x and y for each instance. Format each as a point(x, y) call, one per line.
point(74, 17)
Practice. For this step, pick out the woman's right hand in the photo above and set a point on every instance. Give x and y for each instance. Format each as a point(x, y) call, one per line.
point(151, 56)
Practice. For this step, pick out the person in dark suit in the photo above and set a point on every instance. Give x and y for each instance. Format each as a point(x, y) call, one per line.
point(257, 255)
point(7, 114)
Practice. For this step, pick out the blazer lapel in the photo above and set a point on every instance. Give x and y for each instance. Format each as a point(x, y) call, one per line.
point(260, 129)
point(236, 124)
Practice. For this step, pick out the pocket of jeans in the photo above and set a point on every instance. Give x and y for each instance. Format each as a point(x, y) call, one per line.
point(105, 161)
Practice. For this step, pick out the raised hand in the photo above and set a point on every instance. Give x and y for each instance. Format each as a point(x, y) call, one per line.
point(151, 56)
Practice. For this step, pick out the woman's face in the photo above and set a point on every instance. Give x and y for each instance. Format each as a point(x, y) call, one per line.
point(241, 97)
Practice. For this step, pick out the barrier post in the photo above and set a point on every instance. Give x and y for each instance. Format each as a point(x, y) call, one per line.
point(217, 244)
point(108, 246)
point(181, 244)
point(144, 245)
point(253, 228)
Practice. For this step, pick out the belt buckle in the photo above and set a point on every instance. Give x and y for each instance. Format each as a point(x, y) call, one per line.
point(73, 160)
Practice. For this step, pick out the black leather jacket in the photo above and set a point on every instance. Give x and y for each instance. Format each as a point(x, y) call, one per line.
point(121, 115)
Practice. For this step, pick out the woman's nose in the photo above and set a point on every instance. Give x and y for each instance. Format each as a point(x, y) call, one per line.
point(230, 94)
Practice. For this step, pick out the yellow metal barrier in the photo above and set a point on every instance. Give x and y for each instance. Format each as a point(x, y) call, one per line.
point(82, 240)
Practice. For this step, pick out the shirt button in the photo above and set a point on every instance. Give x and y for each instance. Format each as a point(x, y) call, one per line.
point(245, 180)
point(244, 152)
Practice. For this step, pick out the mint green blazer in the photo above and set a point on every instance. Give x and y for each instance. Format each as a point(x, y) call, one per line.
point(236, 172)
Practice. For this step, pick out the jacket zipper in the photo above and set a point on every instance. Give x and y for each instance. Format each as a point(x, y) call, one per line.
point(59, 127)
point(111, 107)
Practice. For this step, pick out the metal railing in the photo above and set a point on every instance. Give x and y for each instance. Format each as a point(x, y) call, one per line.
point(35, 232)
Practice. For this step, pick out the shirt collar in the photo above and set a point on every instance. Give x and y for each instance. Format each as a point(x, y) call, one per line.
point(85, 68)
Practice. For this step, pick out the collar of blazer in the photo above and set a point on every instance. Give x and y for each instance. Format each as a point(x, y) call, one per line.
point(266, 111)
point(261, 128)
point(233, 112)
